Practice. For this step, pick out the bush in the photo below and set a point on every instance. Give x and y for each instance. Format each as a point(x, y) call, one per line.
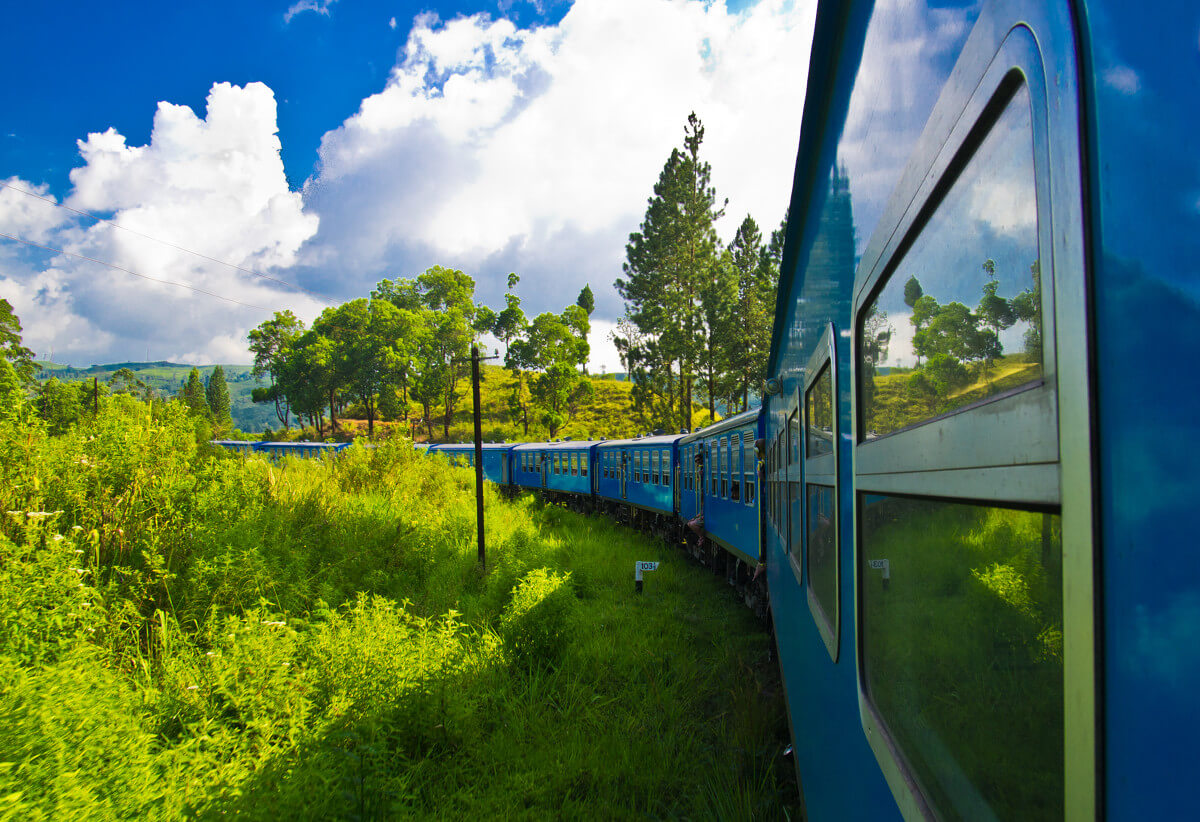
point(535, 626)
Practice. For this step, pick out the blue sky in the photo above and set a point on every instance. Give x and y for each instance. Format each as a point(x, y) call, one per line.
point(332, 145)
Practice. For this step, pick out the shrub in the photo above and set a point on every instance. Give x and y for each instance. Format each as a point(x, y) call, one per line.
point(535, 626)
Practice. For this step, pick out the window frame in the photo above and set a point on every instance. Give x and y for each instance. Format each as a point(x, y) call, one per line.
point(822, 471)
point(1033, 42)
point(793, 478)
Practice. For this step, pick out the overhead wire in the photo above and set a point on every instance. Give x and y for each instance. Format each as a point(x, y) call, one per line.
point(167, 243)
point(130, 271)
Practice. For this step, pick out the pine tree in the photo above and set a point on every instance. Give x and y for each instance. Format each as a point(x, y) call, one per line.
point(667, 265)
point(586, 301)
point(193, 394)
point(217, 395)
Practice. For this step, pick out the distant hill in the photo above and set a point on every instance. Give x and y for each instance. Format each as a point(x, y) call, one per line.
point(168, 377)
point(609, 414)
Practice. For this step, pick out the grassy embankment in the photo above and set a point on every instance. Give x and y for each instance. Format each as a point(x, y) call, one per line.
point(189, 633)
point(608, 414)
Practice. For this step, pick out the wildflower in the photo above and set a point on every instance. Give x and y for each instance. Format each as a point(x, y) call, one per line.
point(76, 527)
point(80, 570)
point(193, 687)
point(209, 653)
point(58, 537)
point(275, 624)
point(79, 550)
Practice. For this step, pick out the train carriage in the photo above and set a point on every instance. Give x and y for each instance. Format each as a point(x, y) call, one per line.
point(561, 468)
point(638, 473)
point(718, 478)
point(496, 459)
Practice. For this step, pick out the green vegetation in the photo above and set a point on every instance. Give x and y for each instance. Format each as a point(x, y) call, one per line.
point(188, 632)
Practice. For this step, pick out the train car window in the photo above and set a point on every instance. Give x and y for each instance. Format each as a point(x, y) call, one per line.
point(583, 464)
point(574, 464)
point(821, 534)
point(818, 415)
point(723, 466)
point(666, 463)
point(735, 465)
point(960, 487)
point(654, 467)
point(712, 468)
point(794, 502)
point(962, 649)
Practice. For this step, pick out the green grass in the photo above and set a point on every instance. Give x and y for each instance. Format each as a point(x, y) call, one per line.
point(185, 632)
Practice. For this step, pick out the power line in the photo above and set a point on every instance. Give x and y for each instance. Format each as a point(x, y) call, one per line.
point(129, 271)
point(165, 242)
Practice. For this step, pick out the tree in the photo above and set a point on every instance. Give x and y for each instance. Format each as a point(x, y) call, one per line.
point(60, 404)
point(912, 291)
point(718, 300)
point(995, 312)
point(12, 397)
point(216, 393)
point(554, 347)
point(271, 344)
point(193, 395)
point(20, 357)
point(587, 301)
point(667, 262)
point(758, 283)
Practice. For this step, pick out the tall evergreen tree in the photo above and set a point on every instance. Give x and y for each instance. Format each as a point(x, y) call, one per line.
point(217, 395)
point(193, 394)
point(667, 264)
point(587, 301)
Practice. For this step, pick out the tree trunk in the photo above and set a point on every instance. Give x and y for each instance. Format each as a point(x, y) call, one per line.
point(332, 413)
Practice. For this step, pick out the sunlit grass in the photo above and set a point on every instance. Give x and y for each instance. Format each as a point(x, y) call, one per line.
point(185, 632)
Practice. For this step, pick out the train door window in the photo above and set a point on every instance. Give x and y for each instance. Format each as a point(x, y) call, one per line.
point(974, 548)
point(723, 466)
point(735, 468)
point(794, 499)
point(821, 549)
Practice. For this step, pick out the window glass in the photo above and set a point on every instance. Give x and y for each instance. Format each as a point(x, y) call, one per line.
point(735, 465)
point(583, 464)
point(959, 319)
point(818, 415)
point(822, 550)
point(712, 468)
point(666, 467)
point(575, 465)
point(794, 502)
point(962, 650)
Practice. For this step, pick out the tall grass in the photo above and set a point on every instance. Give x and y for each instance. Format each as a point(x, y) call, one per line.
point(185, 632)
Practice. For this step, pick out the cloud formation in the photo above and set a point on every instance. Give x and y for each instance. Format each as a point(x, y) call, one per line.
point(319, 6)
point(495, 148)
point(491, 147)
point(214, 185)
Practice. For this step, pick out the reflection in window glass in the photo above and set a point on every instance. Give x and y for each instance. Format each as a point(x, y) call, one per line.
point(666, 463)
point(960, 318)
point(818, 415)
point(962, 650)
point(822, 551)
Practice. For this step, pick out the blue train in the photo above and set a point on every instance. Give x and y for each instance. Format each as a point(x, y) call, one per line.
point(972, 519)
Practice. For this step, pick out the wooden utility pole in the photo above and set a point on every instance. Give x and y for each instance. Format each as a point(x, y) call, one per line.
point(478, 455)
point(475, 359)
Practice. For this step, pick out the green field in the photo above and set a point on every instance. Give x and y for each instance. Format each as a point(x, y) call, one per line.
point(187, 632)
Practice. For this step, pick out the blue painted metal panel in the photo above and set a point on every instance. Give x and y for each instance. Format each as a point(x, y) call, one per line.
point(870, 93)
point(1144, 106)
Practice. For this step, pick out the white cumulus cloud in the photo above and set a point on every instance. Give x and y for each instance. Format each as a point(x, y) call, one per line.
point(211, 184)
point(496, 148)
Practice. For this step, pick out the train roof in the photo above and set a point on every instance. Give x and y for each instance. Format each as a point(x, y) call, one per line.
point(736, 421)
point(663, 439)
point(565, 445)
point(470, 446)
